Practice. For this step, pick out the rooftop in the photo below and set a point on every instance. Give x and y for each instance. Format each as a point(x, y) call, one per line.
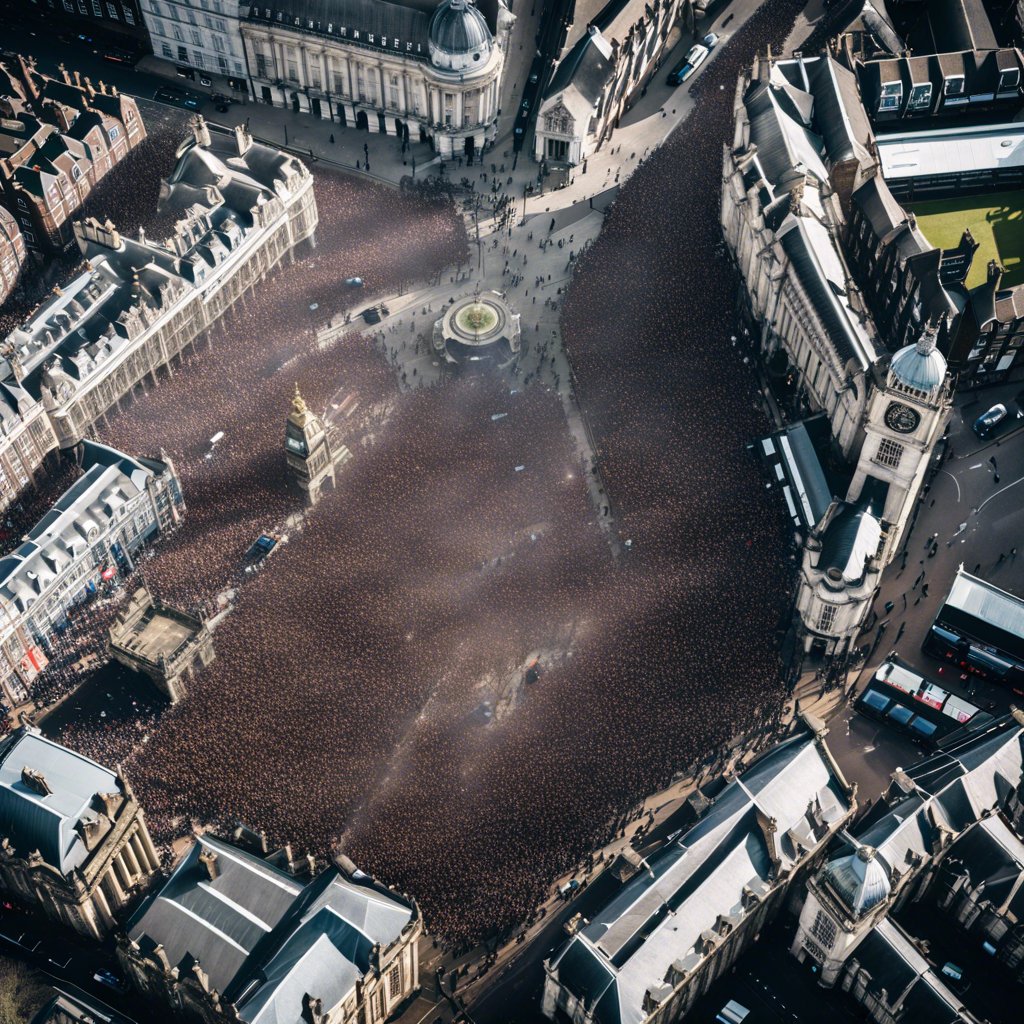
point(45, 816)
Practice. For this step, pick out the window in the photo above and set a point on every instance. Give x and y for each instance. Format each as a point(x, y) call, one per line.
point(197, 37)
point(261, 66)
point(128, 16)
point(394, 982)
point(96, 9)
point(827, 618)
point(954, 85)
point(113, 133)
point(223, 65)
point(824, 929)
point(889, 453)
point(892, 93)
point(112, 11)
point(921, 96)
point(293, 71)
point(167, 51)
point(76, 172)
point(1009, 79)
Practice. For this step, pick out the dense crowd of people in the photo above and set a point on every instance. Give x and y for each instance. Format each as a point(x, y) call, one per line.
point(349, 706)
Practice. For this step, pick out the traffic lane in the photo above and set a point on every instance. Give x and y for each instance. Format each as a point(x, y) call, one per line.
point(65, 955)
point(50, 52)
point(868, 752)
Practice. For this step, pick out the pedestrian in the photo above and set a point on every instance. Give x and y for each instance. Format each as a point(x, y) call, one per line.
point(332, 138)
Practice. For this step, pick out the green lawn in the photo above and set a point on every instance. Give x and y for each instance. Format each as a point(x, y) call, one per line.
point(996, 221)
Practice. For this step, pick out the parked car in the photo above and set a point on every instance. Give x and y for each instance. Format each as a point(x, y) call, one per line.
point(732, 1013)
point(178, 97)
point(989, 420)
point(710, 40)
point(354, 282)
point(205, 80)
point(111, 980)
point(526, 104)
point(693, 60)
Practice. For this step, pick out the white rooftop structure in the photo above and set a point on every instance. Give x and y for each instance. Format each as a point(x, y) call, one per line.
point(951, 151)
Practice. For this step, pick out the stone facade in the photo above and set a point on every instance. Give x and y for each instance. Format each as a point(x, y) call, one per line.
point(203, 35)
point(606, 63)
point(161, 642)
point(721, 882)
point(801, 159)
point(333, 947)
point(403, 72)
point(313, 449)
point(71, 136)
point(12, 253)
point(92, 534)
point(936, 835)
point(140, 303)
point(78, 869)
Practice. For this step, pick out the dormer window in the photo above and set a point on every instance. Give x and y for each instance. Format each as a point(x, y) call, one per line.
point(892, 94)
point(76, 172)
point(921, 96)
point(954, 85)
point(1009, 79)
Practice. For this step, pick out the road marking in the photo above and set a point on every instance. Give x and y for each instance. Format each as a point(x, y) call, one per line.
point(977, 465)
point(957, 482)
point(1000, 491)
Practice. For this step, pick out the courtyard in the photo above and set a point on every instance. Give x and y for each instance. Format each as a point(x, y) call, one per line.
point(996, 222)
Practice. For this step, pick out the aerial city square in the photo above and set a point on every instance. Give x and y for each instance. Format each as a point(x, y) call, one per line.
point(510, 511)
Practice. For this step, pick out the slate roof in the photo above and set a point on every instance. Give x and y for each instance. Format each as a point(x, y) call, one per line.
point(909, 981)
point(323, 948)
point(216, 923)
point(658, 917)
point(47, 823)
point(957, 784)
point(263, 938)
point(110, 480)
point(851, 538)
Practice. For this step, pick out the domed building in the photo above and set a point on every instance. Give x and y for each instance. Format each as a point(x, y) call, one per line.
point(421, 70)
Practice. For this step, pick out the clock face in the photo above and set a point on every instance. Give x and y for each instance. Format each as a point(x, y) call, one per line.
point(901, 418)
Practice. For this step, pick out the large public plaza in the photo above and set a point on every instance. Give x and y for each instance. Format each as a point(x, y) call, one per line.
point(451, 671)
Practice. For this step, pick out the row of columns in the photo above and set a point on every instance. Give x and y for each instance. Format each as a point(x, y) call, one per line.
point(420, 99)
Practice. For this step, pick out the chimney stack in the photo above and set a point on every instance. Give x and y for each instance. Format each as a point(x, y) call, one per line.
point(36, 781)
point(208, 863)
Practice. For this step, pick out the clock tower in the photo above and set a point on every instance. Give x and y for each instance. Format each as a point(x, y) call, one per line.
point(905, 419)
point(311, 449)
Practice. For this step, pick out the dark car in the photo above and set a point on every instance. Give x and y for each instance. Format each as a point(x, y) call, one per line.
point(989, 420)
point(371, 315)
point(178, 97)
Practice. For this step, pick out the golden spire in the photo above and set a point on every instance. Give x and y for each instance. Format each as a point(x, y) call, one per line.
point(300, 411)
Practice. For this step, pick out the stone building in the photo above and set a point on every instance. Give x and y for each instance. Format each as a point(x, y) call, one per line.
point(58, 140)
point(611, 51)
point(200, 34)
point(242, 207)
point(160, 641)
point(73, 840)
point(678, 925)
point(12, 254)
point(940, 59)
point(935, 836)
point(110, 23)
point(418, 69)
point(233, 937)
point(313, 449)
point(800, 162)
point(92, 534)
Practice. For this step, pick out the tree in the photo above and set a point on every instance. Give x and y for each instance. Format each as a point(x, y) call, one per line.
point(22, 992)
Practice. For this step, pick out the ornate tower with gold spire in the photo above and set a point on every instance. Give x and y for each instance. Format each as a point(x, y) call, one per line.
point(311, 451)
